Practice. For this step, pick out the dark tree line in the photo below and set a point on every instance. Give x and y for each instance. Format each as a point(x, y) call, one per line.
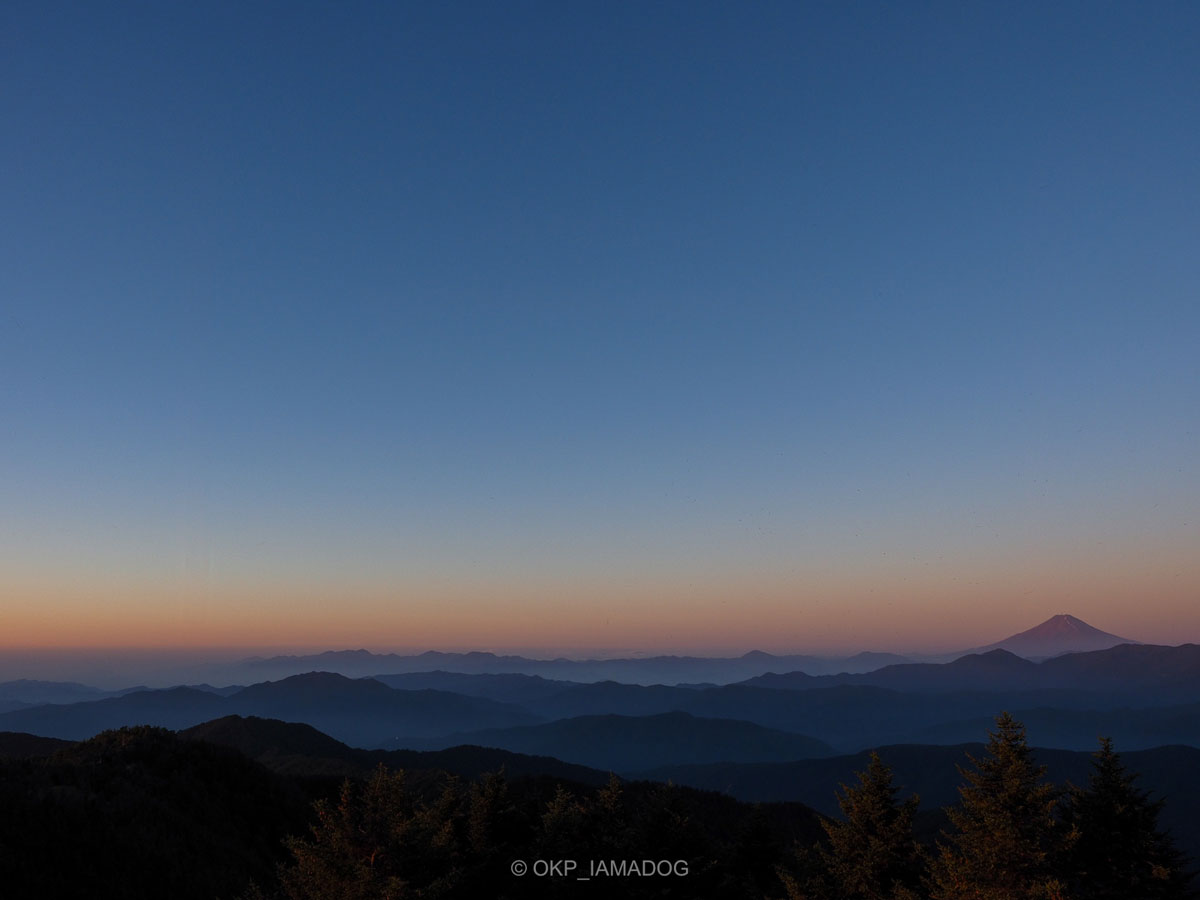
point(380, 840)
point(142, 813)
point(1013, 837)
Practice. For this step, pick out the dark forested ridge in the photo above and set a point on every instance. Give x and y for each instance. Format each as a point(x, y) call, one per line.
point(627, 743)
point(140, 813)
point(252, 808)
point(143, 812)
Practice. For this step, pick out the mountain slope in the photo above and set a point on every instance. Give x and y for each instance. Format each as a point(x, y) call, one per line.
point(362, 712)
point(624, 743)
point(367, 713)
point(174, 708)
point(296, 749)
point(1057, 635)
point(506, 687)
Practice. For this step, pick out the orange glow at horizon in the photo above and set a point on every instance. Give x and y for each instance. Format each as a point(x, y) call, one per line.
point(893, 607)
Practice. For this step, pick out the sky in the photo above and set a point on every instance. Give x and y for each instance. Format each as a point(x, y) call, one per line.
point(637, 327)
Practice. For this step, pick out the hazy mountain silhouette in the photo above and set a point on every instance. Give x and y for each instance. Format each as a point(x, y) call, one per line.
point(367, 713)
point(1128, 674)
point(507, 687)
point(977, 671)
point(173, 708)
point(624, 743)
point(1166, 673)
point(1141, 694)
point(1057, 635)
point(28, 692)
point(645, 670)
point(362, 712)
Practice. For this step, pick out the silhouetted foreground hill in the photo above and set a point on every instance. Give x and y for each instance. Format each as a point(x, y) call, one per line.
point(143, 813)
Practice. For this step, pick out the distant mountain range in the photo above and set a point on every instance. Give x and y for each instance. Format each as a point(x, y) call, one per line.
point(363, 712)
point(1142, 696)
point(648, 670)
point(26, 692)
point(1128, 673)
point(1057, 635)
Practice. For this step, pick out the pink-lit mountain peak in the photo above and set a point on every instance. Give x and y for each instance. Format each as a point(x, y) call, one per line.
point(1058, 635)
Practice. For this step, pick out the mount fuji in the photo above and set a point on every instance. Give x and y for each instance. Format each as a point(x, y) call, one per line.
point(1057, 635)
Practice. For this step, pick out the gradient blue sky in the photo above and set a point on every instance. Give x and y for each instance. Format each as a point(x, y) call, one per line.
point(680, 326)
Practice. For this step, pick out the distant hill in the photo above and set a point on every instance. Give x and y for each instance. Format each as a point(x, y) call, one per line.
point(641, 670)
point(977, 671)
point(367, 713)
point(1127, 674)
point(1057, 635)
point(508, 687)
point(26, 692)
point(173, 708)
point(1170, 674)
point(360, 711)
point(626, 743)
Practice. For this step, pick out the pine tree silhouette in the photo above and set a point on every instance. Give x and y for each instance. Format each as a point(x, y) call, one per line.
point(1117, 850)
point(872, 855)
point(1007, 843)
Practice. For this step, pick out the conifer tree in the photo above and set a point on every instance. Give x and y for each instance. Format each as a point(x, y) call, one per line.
point(1119, 851)
point(872, 855)
point(353, 852)
point(1007, 842)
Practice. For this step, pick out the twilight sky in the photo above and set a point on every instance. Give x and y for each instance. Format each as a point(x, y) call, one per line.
point(623, 326)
